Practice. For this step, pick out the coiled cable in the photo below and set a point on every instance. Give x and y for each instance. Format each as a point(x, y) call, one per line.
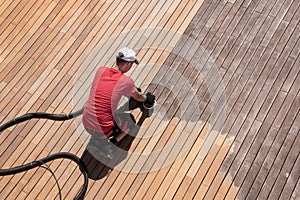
point(61, 155)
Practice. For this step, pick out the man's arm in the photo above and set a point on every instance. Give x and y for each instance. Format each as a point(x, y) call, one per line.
point(139, 96)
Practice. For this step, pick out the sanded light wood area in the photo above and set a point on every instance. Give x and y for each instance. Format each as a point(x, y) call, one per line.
point(225, 74)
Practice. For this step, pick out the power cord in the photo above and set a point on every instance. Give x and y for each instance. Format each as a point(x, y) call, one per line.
point(43, 161)
point(55, 178)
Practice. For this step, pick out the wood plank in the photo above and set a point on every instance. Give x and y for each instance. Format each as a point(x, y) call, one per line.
point(273, 154)
point(280, 65)
point(291, 12)
point(50, 48)
point(27, 32)
point(287, 179)
point(294, 188)
point(6, 9)
point(276, 85)
point(213, 189)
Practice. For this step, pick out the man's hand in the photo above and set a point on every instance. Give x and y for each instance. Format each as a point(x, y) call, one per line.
point(139, 89)
point(150, 100)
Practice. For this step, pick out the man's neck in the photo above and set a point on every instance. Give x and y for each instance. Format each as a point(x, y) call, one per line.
point(117, 68)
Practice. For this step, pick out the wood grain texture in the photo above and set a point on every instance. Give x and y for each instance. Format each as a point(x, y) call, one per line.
point(225, 74)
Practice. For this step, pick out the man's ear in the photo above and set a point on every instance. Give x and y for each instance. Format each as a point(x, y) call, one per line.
point(128, 66)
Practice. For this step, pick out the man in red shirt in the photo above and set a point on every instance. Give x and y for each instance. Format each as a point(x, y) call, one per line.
point(101, 118)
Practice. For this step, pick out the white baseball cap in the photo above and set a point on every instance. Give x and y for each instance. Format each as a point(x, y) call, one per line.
point(127, 54)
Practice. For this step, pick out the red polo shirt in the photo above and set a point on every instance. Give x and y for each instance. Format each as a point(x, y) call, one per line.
point(108, 87)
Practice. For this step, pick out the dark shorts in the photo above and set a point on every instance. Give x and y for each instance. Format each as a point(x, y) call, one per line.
point(123, 122)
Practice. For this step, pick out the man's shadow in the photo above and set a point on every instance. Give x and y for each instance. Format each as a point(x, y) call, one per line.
point(99, 168)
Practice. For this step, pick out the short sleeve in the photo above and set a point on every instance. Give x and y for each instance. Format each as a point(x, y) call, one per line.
point(130, 86)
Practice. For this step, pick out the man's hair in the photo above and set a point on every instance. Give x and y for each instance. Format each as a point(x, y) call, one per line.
point(121, 62)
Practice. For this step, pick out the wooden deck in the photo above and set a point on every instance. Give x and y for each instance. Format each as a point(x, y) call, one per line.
point(225, 73)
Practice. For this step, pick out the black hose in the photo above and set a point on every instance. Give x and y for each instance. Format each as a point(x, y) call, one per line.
point(40, 115)
point(61, 155)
